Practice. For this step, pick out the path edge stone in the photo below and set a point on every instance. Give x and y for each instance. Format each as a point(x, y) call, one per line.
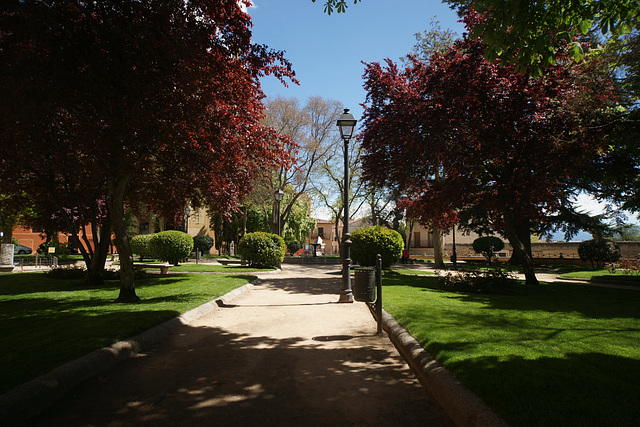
point(31, 398)
point(463, 406)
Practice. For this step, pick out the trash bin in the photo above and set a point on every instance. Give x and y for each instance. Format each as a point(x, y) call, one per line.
point(364, 285)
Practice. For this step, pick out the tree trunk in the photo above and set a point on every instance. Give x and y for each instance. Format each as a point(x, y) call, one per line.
point(117, 190)
point(95, 270)
point(520, 249)
point(437, 248)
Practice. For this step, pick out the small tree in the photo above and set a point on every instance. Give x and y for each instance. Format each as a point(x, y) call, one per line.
point(203, 243)
point(171, 246)
point(140, 245)
point(598, 252)
point(370, 241)
point(293, 246)
point(262, 249)
point(488, 246)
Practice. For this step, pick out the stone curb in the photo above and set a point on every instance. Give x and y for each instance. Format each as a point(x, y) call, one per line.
point(462, 405)
point(31, 398)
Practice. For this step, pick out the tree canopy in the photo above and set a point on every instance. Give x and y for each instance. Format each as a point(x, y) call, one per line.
point(110, 104)
point(462, 132)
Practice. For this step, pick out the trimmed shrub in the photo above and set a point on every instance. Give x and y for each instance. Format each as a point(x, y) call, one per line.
point(140, 245)
point(203, 243)
point(262, 249)
point(293, 246)
point(488, 246)
point(599, 252)
point(494, 281)
point(60, 248)
point(369, 241)
point(171, 246)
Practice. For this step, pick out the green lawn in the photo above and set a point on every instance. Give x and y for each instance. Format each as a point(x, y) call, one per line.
point(47, 322)
point(216, 268)
point(552, 355)
point(617, 276)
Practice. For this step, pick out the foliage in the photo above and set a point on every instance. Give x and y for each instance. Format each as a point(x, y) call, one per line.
point(293, 246)
point(626, 266)
point(60, 249)
point(311, 135)
point(492, 281)
point(14, 241)
point(369, 241)
point(488, 246)
point(171, 245)
point(67, 273)
point(140, 245)
point(262, 249)
point(203, 243)
point(505, 144)
point(531, 33)
point(598, 252)
point(340, 6)
point(120, 97)
point(435, 40)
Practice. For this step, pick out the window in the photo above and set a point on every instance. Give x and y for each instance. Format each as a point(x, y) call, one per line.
point(321, 232)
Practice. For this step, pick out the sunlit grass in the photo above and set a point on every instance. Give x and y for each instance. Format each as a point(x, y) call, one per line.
point(217, 268)
point(603, 274)
point(47, 322)
point(556, 354)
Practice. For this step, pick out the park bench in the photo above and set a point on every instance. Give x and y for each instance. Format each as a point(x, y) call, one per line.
point(225, 261)
point(164, 268)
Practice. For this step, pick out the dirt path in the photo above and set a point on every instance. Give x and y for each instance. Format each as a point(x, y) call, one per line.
point(284, 353)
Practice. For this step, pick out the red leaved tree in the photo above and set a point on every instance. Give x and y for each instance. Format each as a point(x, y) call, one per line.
point(112, 103)
point(462, 133)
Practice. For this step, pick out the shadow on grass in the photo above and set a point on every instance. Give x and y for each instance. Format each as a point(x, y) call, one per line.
point(579, 389)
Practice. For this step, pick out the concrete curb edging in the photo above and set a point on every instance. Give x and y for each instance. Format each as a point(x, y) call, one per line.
point(31, 398)
point(463, 406)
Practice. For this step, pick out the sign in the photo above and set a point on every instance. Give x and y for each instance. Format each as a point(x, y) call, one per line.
point(51, 250)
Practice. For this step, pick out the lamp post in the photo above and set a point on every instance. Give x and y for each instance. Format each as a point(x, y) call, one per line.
point(454, 256)
point(187, 212)
point(278, 195)
point(346, 124)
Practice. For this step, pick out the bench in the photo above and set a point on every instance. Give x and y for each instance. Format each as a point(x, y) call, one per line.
point(232, 261)
point(164, 268)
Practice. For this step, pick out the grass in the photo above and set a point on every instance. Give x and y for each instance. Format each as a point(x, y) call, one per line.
point(409, 271)
point(216, 268)
point(54, 321)
point(603, 275)
point(555, 354)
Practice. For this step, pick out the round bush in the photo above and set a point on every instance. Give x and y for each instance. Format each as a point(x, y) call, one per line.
point(262, 249)
point(598, 252)
point(488, 246)
point(171, 246)
point(293, 246)
point(203, 243)
point(370, 241)
point(140, 245)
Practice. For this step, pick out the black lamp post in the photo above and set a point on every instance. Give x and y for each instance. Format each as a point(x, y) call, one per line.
point(346, 124)
point(278, 195)
point(187, 212)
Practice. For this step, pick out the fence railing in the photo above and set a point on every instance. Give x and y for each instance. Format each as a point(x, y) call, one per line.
point(37, 261)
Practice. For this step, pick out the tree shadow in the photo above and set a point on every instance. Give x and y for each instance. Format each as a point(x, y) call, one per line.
point(209, 375)
point(578, 389)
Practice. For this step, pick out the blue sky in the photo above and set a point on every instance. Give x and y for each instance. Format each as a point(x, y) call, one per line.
point(326, 51)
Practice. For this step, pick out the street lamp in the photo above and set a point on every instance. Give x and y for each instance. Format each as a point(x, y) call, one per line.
point(279, 194)
point(187, 212)
point(346, 124)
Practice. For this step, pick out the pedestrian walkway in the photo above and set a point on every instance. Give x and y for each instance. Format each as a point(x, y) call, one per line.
point(284, 353)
